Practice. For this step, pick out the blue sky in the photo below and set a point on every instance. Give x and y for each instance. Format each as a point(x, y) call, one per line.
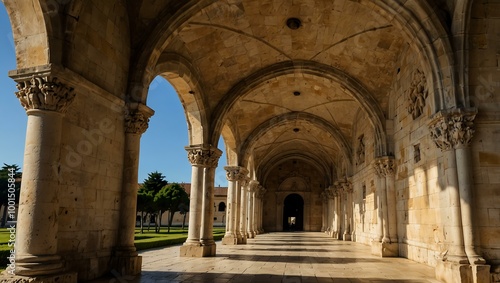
point(162, 146)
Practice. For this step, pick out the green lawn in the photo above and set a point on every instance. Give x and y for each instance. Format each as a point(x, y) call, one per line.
point(150, 239)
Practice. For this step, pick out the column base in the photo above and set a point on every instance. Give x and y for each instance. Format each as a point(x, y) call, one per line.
point(453, 272)
point(250, 235)
point(346, 237)
point(197, 251)
point(30, 265)
point(242, 240)
point(481, 273)
point(385, 249)
point(127, 264)
point(229, 240)
point(69, 277)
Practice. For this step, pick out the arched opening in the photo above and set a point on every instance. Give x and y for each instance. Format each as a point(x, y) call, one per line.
point(293, 213)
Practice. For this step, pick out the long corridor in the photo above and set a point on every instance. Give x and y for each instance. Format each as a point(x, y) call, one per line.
point(296, 257)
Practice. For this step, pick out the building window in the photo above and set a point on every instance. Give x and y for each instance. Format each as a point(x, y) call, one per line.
point(222, 206)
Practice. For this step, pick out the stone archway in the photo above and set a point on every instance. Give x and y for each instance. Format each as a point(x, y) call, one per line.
point(293, 213)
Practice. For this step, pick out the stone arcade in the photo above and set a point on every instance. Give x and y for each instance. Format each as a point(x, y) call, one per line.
point(373, 121)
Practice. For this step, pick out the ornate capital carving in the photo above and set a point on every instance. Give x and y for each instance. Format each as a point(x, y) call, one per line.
point(330, 192)
point(452, 128)
point(253, 185)
point(136, 122)
point(203, 156)
point(384, 166)
point(261, 191)
point(44, 93)
point(235, 173)
point(416, 94)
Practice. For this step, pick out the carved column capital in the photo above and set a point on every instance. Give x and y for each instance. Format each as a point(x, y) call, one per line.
point(233, 173)
point(452, 128)
point(44, 93)
point(329, 192)
point(203, 155)
point(253, 185)
point(261, 191)
point(324, 196)
point(384, 166)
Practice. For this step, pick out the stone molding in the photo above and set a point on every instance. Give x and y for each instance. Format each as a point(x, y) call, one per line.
point(453, 128)
point(44, 93)
point(384, 166)
point(416, 94)
point(203, 156)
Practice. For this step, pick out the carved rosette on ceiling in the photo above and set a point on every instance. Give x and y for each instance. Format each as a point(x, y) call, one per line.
point(44, 93)
point(203, 156)
point(136, 122)
point(451, 129)
point(384, 166)
point(416, 94)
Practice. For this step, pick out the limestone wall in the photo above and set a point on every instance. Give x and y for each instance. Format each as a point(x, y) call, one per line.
point(484, 91)
point(365, 209)
point(91, 180)
point(100, 46)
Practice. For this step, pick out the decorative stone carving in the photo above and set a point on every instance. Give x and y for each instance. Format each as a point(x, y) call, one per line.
point(235, 173)
point(452, 128)
point(253, 185)
point(416, 153)
point(323, 196)
point(360, 153)
point(136, 122)
point(44, 93)
point(416, 94)
point(203, 156)
point(261, 191)
point(384, 166)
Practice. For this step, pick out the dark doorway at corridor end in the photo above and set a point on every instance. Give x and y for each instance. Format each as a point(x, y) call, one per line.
point(293, 213)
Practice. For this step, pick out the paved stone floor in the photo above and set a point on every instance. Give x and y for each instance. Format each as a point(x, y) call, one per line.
point(296, 257)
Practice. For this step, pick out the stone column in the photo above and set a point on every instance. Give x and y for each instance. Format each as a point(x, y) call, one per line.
point(452, 131)
point(126, 261)
point(330, 211)
point(325, 215)
point(346, 191)
point(337, 210)
point(262, 192)
point(384, 245)
point(232, 173)
point(207, 217)
point(252, 186)
point(45, 99)
point(200, 157)
point(243, 211)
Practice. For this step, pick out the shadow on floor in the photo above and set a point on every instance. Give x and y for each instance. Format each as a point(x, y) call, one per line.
point(190, 277)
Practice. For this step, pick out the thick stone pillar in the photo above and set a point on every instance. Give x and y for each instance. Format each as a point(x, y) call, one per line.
point(243, 211)
point(200, 157)
point(232, 175)
point(125, 260)
point(452, 131)
point(45, 99)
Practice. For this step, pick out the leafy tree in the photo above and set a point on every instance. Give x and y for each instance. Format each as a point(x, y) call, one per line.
point(144, 204)
point(151, 185)
point(170, 198)
point(183, 210)
point(8, 172)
